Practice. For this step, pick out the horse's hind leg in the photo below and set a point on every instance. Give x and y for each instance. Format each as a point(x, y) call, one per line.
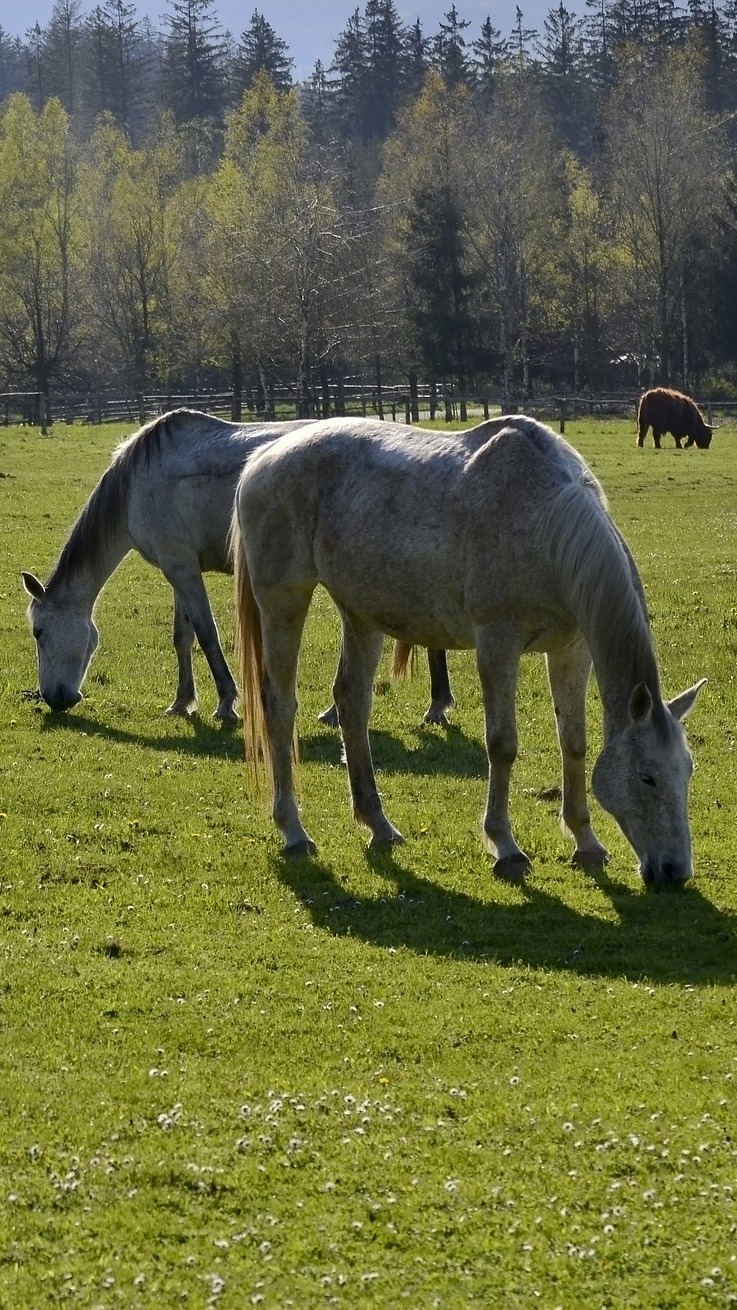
point(568, 674)
point(441, 696)
point(362, 646)
point(185, 701)
point(281, 636)
point(498, 654)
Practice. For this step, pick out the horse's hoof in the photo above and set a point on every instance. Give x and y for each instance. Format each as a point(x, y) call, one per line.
point(394, 838)
point(182, 709)
point(329, 717)
point(512, 867)
point(591, 861)
point(226, 716)
point(437, 716)
point(300, 848)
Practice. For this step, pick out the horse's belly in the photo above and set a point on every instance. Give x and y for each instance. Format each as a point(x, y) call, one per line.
point(450, 633)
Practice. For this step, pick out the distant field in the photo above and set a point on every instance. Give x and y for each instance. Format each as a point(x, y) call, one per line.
point(226, 1080)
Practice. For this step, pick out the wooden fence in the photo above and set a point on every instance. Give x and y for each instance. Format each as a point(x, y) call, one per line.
point(30, 407)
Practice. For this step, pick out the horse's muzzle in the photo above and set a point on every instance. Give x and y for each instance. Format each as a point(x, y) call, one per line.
point(62, 698)
point(665, 873)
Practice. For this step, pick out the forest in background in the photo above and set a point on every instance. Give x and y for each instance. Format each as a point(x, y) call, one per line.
point(472, 211)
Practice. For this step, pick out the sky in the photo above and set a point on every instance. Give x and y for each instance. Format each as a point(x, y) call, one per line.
point(309, 30)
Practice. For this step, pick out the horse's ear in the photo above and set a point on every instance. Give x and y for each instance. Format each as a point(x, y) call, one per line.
point(682, 705)
point(641, 705)
point(32, 585)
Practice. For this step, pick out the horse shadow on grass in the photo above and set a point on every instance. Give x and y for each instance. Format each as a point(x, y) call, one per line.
point(445, 751)
point(207, 738)
point(673, 936)
point(449, 752)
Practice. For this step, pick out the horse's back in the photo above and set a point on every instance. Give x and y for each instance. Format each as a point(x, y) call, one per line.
point(189, 464)
point(426, 533)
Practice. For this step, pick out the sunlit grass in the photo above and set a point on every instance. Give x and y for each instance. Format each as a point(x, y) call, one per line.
point(227, 1079)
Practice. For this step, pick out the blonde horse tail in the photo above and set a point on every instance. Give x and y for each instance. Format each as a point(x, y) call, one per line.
point(403, 663)
point(250, 654)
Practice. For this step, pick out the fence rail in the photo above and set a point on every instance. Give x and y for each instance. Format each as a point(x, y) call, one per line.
point(395, 402)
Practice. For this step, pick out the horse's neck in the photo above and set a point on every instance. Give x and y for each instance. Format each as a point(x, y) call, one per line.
point(80, 575)
point(620, 665)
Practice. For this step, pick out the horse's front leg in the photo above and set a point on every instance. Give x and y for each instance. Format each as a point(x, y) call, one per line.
point(498, 654)
point(191, 593)
point(185, 701)
point(352, 690)
point(441, 696)
point(568, 674)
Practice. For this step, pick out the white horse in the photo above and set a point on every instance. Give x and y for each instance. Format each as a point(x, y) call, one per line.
point(502, 543)
point(167, 493)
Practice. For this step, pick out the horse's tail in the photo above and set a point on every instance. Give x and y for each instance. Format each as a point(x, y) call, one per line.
point(250, 655)
point(403, 663)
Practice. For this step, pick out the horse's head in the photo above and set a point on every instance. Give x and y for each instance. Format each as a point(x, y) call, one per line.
point(66, 640)
point(642, 777)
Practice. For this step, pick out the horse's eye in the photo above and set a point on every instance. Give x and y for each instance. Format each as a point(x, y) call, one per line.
point(648, 779)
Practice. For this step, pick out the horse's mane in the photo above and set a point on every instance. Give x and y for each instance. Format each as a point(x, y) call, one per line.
point(600, 577)
point(101, 518)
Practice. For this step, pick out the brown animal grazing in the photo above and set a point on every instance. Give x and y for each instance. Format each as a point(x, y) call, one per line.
point(671, 411)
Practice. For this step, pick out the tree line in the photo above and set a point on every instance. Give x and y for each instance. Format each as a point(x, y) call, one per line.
point(481, 213)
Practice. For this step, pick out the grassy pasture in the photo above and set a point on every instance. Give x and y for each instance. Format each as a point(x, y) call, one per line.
point(228, 1080)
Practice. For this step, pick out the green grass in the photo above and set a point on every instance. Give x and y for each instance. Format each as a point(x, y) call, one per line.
point(230, 1080)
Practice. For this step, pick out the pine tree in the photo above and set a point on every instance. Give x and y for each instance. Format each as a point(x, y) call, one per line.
point(449, 50)
point(385, 38)
point(315, 100)
point(261, 50)
point(11, 65)
point(114, 66)
point(35, 71)
point(521, 40)
point(61, 54)
point(417, 61)
point(563, 61)
point(128, 65)
point(438, 286)
point(351, 85)
point(488, 53)
point(193, 69)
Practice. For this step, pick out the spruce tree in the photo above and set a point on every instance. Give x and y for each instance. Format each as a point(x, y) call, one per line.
point(384, 36)
point(449, 49)
point(417, 61)
point(61, 54)
point(260, 50)
point(438, 285)
point(193, 74)
point(351, 83)
point(489, 51)
point(563, 66)
point(11, 65)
